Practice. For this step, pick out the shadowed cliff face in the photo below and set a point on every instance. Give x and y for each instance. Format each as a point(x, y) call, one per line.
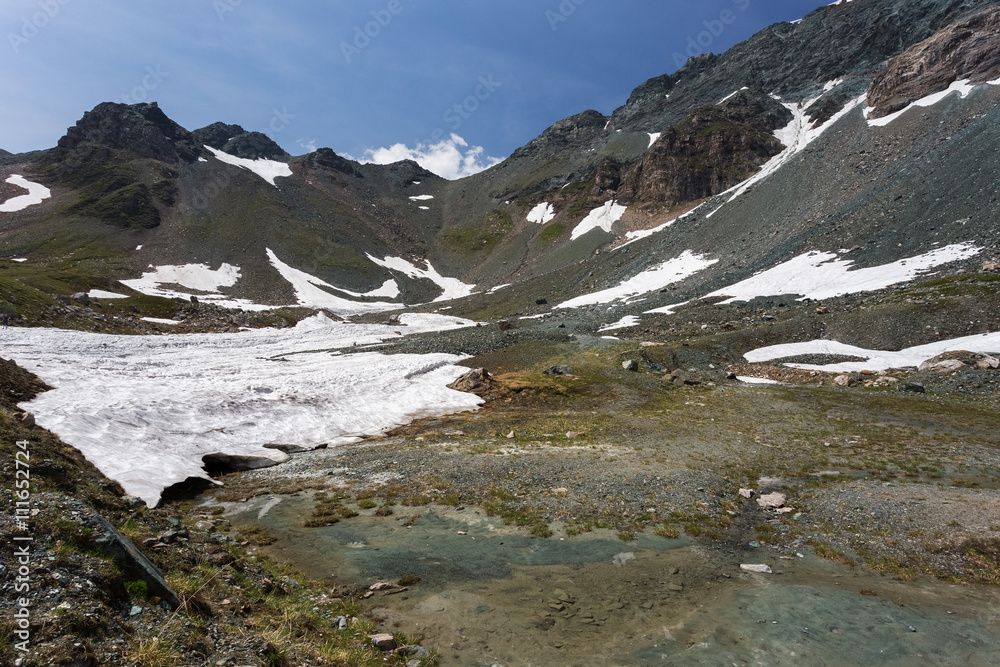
point(710, 151)
point(968, 50)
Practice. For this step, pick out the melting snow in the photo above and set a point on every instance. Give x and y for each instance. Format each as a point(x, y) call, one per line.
point(19, 259)
point(667, 273)
point(795, 136)
point(542, 213)
point(600, 218)
point(266, 169)
point(421, 197)
point(752, 380)
point(824, 275)
point(733, 94)
point(309, 293)
point(453, 288)
point(963, 88)
point(101, 294)
point(146, 409)
point(877, 360)
point(36, 195)
point(195, 277)
point(625, 322)
point(653, 136)
point(159, 320)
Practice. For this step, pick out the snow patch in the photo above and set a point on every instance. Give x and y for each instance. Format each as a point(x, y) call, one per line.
point(623, 323)
point(600, 218)
point(37, 193)
point(269, 170)
point(877, 360)
point(421, 197)
point(309, 293)
point(542, 214)
point(824, 275)
point(963, 88)
point(101, 294)
point(653, 136)
point(667, 273)
point(452, 288)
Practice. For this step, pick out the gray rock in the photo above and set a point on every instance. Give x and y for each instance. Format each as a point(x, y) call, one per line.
point(28, 420)
point(631, 365)
point(915, 387)
point(133, 563)
point(383, 642)
point(558, 370)
point(541, 301)
point(414, 651)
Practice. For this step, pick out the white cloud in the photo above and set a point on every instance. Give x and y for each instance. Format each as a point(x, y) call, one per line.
point(450, 158)
point(308, 146)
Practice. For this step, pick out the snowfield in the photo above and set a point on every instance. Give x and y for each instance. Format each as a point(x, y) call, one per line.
point(37, 193)
point(146, 409)
point(542, 214)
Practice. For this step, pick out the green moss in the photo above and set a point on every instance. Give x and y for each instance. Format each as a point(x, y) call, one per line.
point(551, 233)
point(482, 235)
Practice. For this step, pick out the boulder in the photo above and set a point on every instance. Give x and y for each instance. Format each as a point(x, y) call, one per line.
point(475, 381)
point(558, 370)
point(843, 381)
point(987, 362)
point(775, 499)
point(383, 642)
point(631, 365)
point(133, 563)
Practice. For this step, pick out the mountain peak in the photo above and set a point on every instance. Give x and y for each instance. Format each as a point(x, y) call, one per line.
point(234, 140)
point(141, 129)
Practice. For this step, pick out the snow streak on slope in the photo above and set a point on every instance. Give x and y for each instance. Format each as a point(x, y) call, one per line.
point(197, 277)
point(37, 193)
point(650, 280)
point(963, 88)
point(453, 288)
point(309, 292)
point(146, 409)
point(795, 136)
point(266, 169)
point(877, 360)
point(599, 218)
point(542, 214)
point(824, 275)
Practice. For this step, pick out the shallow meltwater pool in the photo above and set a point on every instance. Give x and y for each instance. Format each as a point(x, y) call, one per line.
point(490, 595)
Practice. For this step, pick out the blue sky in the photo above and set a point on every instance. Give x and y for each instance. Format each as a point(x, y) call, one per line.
point(355, 75)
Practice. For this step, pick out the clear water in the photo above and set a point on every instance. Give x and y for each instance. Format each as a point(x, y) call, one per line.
point(496, 596)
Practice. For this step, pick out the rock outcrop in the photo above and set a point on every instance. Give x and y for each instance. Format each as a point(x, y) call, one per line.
point(967, 50)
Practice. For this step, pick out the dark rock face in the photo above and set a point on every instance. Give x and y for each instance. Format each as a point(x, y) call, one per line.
point(968, 50)
point(234, 140)
point(325, 158)
point(569, 133)
point(142, 130)
point(710, 151)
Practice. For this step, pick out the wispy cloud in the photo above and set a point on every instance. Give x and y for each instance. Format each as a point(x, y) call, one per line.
point(450, 158)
